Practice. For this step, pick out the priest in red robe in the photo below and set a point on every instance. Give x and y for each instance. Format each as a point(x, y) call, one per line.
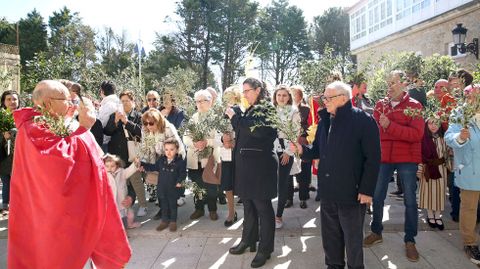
point(62, 210)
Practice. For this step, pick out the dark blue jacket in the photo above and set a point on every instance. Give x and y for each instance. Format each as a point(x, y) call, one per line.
point(168, 173)
point(348, 146)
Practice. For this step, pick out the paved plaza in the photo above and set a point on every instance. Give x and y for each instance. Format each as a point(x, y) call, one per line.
point(204, 243)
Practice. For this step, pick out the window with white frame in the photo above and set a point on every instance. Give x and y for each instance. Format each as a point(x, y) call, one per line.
point(379, 14)
point(358, 24)
point(408, 7)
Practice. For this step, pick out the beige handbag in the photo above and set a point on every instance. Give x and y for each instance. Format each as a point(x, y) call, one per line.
point(132, 146)
point(212, 171)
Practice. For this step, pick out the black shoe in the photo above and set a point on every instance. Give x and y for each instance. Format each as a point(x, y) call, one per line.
point(303, 204)
point(240, 248)
point(288, 204)
point(239, 201)
point(312, 188)
point(222, 200)
point(151, 200)
point(158, 215)
point(296, 189)
point(472, 253)
point(431, 222)
point(259, 260)
point(317, 198)
point(439, 224)
point(229, 223)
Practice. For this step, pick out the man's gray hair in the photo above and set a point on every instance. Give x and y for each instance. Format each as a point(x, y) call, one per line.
point(203, 93)
point(341, 88)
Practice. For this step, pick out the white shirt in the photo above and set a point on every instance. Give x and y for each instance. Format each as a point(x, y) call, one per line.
point(108, 106)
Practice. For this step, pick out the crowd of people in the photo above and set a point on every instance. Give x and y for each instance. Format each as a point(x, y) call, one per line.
point(145, 154)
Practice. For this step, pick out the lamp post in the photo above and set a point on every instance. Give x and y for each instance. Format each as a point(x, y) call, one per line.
point(459, 34)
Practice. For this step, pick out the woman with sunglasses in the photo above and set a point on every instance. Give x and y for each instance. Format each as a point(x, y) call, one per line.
point(155, 131)
point(153, 101)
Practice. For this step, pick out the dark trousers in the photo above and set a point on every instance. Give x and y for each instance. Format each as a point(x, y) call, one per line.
point(304, 179)
point(342, 232)
point(167, 194)
point(283, 178)
point(259, 213)
point(211, 198)
point(6, 190)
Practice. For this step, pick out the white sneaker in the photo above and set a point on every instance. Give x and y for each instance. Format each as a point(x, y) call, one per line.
point(181, 201)
point(142, 211)
point(278, 223)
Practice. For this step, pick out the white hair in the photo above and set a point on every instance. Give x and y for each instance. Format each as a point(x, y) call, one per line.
point(341, 87)
point(203, 93)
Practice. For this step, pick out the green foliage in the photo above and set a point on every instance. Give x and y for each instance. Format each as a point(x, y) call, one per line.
point(437, 67)
point(476, 74)
point(7, 32)
point(331, 29)
point(410, 62)
point(283, 40)
point(33, 36)
point(313, 75)
point(233, 35)
point(179, 84)
point(377, 76)
point(6, 120)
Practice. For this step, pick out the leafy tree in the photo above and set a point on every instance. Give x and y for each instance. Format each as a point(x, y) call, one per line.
point(7, 32)
point(283, 40)
point(116, 52)
point(33, 36)
point(437, 67)
point(196, 33)
point(161, 59)
point(331, 29)
point(313, 74)
point(233, 36)
point(70, 36)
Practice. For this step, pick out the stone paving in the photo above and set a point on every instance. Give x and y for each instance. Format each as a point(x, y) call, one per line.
point(204, 243)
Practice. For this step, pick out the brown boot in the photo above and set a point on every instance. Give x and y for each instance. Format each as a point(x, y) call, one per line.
point(197, 214)
point(411, 251)
point(172, 226)
point(213, 215)
point(162, 226)
point(372, 239)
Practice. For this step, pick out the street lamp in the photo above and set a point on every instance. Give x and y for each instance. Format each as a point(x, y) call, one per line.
point(459, 33)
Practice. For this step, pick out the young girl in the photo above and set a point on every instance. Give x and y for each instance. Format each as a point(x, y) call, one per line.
point(172, 170)
point(283, 103)
point(433, 173)
point(155, 131)
point(117, 179)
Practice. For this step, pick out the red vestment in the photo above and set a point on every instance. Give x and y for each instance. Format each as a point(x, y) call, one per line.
point(62, 210)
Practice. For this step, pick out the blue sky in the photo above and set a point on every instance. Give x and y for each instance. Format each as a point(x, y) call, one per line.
point(141, 18)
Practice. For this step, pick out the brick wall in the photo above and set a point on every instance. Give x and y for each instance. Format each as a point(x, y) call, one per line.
point(427, 38)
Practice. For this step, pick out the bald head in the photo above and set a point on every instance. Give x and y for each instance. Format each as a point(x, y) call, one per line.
point(441, 88)
point(46, 89)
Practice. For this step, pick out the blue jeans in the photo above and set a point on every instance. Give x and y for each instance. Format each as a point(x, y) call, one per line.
point(407, 172)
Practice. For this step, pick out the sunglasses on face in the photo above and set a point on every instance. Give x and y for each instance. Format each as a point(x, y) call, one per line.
point(149, 123)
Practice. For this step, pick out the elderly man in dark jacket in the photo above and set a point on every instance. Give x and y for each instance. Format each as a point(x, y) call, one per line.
point(348, 145)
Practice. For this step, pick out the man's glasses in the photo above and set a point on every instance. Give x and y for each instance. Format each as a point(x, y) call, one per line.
point(151, 99)
point(329, 98)
point(149, 123)
point(247, 90)
point(74, 102)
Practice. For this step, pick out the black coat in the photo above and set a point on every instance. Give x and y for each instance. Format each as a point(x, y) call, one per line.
point(349, 154)
point(176, 117)
point(304, 113)
point(118, 142)
point(255, 163)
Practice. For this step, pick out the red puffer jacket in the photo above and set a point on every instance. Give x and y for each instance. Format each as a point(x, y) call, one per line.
point(402, 140)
